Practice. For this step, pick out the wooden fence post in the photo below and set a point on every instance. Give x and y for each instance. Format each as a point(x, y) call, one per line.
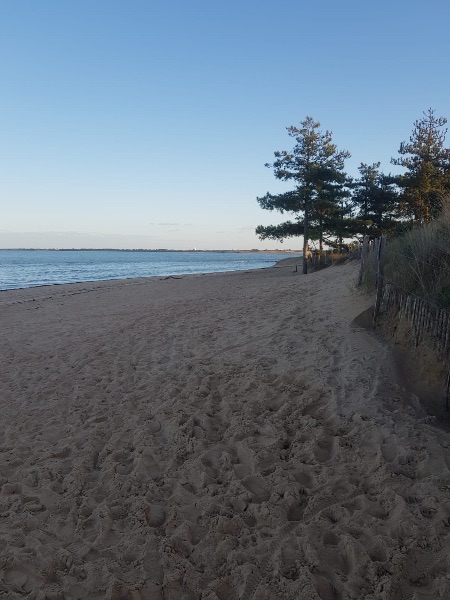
point(364, 253)
point(447, 390)
point(380, 247)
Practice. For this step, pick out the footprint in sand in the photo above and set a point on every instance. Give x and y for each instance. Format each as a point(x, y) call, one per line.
point(330, 539)
point(11, 488)
point(154, 425)
point(125, 466)
point(117, 511)
point(154, 515)
point(211, 462)
point(295, 512)
point(257, 487)
point(326, 586)
point(241, 471)
point(377, 552)
point(32, 504)
point(324, 449)
point(389, 449)
point(447, 459)
point(148, 466)
point(124, 462)
point(305, 479)
point(16, 578)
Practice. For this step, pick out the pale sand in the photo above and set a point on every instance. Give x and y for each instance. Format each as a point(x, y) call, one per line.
point(226, 437)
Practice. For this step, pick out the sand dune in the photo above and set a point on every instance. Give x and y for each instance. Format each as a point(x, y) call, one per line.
point(223, 437)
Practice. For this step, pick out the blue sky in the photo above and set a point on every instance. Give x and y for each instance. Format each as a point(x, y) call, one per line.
point(147, 123)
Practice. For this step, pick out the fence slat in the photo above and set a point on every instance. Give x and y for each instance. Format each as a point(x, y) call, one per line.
point(364, 255)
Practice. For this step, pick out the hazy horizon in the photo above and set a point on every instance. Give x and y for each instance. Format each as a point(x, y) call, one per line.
point(74, 241)
point(123, 249)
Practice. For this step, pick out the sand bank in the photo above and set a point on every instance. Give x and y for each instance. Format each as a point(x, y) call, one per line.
point(220, 437)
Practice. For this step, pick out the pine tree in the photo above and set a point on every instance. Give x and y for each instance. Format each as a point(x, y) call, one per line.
point(376, 199)
point(427, 164)
point(316, 167)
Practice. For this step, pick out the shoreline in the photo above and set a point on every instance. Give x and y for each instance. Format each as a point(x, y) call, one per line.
point(237, 435)
point(175, 274)
point(134, 280)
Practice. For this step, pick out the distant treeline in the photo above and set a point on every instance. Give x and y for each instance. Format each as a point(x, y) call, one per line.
point(330, 207)
point(252, 250)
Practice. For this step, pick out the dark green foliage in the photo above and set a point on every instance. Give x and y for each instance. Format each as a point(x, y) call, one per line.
point(287, 202)
point(281, 231)
point(375, 198)
point(427, 164)
point(329, 208)
point(316, 168)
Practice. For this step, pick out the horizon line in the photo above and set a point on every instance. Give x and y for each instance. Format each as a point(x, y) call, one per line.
point(282, 250)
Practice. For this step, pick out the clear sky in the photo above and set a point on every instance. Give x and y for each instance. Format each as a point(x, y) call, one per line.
point(147, 123)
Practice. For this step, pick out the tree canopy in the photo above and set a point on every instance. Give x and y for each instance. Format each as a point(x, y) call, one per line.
point(375, 200)
point(328, 207)
point(315, 166)
point(427, 164)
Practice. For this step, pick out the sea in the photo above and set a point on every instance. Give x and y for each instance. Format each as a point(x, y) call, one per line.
point(32, 268)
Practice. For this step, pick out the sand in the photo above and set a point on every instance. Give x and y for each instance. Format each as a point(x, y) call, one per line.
point(223, 437)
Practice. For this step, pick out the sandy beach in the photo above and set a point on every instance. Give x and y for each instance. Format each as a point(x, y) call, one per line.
point(218, 437)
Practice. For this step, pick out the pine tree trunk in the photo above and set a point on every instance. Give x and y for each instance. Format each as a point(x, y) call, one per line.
point(305, 242)
point(320, 237)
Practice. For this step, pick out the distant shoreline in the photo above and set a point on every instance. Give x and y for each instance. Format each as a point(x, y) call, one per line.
point(253, 250)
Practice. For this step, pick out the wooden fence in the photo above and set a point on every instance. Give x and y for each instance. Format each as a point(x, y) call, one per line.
point(427, 322)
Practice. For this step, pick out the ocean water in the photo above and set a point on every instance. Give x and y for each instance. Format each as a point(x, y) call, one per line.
point(30, 268)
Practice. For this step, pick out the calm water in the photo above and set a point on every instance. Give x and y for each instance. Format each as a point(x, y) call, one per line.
point(29, 268)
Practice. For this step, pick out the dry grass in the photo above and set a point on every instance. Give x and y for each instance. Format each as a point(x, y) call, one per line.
point(419, 261)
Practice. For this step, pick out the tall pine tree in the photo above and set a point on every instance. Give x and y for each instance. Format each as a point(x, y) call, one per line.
point(376, 199)
point(427, 164)
point(316, 167)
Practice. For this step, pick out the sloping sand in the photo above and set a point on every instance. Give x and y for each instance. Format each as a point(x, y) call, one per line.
point(220, 437)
